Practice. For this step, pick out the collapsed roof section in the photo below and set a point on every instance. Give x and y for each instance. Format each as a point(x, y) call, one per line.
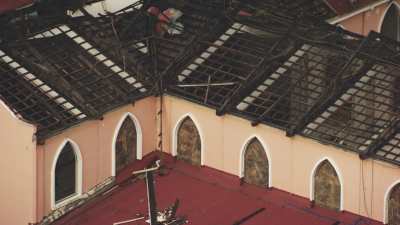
point(253, 60)
point(77, 75)
point(86, 65)
point(175, 26)
point(313, 80)
point(35, 101)
point(316, 9)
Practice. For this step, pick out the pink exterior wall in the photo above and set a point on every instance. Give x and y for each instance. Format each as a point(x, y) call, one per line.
point(370, 20)
point(95, 140)
point(17, 170)
point(292, 160)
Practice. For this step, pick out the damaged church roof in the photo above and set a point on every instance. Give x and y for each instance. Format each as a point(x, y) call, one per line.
point(77, 77)
point(252, 60)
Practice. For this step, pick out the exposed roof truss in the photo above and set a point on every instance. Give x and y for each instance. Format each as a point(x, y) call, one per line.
point(260, 60)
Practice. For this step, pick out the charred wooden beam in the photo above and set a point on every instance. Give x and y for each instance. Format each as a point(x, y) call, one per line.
point(54, 81)
point(315, 11)
point(153, 52)
point(114, 87)
point(388, 134)
point(331, 94)
point(19, 81)
point(386, 50)
point(257, 76)
point(209, 32)
point(127, 63)
point(330, 98)
point(50, 74)
point(133, 20)
point(192, 52)
point(260, 118)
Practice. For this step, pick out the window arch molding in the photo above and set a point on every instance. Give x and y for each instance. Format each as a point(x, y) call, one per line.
point(339, 174)
point(386, 203)
point(175, 135)
point(78, 171)
point(394, 3)
point(139, 140)
point(243, 152)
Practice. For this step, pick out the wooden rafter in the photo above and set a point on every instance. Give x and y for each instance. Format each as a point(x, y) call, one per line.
point(258, 76)
point(338, 88)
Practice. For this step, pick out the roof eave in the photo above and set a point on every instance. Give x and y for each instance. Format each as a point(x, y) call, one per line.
point(340, 18)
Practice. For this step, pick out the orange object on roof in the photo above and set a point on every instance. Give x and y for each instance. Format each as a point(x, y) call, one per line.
point(170, 15)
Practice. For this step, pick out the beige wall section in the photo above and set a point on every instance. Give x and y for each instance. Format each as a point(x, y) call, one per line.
point(95, 140)
point(17, 170)
point(292, 160)
point(371, 20)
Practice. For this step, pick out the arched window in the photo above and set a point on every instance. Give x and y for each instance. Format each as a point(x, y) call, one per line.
point(66, 174)
point(327, 187)
point(391, 23)
point(256, 166)
point(394, 206)
point(189, 142)
point(125, 144)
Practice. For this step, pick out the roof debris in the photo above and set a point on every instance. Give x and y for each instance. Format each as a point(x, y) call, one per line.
point(269, 61)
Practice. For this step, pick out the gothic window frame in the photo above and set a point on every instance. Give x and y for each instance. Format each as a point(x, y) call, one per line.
point(267, 152)
point(175, 136)
point(382, 19)
point(340, 177)
point(78, 175)
point(139, 140)
point(386, 199)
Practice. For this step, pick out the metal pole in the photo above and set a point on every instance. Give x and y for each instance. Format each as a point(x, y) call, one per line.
point(151, 198)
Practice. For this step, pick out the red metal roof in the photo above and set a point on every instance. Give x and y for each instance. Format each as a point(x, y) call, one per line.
point(207, 197)
point(7, 5)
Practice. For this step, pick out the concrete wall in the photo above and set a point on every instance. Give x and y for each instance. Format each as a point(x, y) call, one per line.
point(17, 170)
point(95, 141)
point(292, 160)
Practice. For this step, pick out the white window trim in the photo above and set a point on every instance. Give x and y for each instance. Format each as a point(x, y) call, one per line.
point(384, 14)
point(243, 152)
point(78, 177)
point(386, 203)
point(340, 177)
point(175, 136)
point(139, 140)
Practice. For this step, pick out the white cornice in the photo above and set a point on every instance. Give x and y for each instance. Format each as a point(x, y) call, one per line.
point(346, 16)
